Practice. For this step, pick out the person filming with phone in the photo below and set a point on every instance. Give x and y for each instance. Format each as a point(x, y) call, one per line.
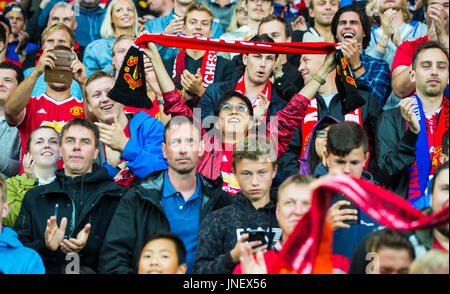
point(56, 105)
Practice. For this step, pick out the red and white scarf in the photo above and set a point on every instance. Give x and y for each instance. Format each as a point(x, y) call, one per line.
point(207, 70)
point(267, 91)
point(311, 119)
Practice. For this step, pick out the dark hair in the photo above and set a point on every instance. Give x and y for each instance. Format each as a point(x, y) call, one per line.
point(262, 38)
point(445, 143)
point(3, 35)
point(313, 159)
point(388, 238)
point(82, 122)
point(3, 19)
point(180, 120)
point(344, 137)
point(437, 171)
point(227, 96)
point(9, 65)
point(179, 246)
point(30, 137)
point(272, 17)
point(365, 22)
point(423, 47)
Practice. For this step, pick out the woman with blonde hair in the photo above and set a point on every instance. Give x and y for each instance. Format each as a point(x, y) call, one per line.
point(121, 18)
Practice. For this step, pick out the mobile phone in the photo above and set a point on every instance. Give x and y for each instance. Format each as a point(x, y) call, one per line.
point(62, 73)
point(254, 235)
point(351, 206)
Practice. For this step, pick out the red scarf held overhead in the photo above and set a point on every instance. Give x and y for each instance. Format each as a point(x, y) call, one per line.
point(207, 70)
point(267, 91)
point(304, 250)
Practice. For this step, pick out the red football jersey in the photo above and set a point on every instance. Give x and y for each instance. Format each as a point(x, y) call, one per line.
point(45, 110)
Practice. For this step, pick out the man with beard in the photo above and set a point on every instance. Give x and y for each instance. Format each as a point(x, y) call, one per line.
point(56, 105)
point(176, 200)
point(408, 142)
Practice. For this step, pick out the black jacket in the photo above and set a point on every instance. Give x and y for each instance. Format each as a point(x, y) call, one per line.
point(370, 112)
point(215, 91)
point(221, 229)
point(140, 213)
point(396, 148)
point(90, 198)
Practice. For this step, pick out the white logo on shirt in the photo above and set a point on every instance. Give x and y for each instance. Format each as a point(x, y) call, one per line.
point(42, 110)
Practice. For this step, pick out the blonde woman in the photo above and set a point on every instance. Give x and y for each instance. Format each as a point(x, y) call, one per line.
point(120, 19)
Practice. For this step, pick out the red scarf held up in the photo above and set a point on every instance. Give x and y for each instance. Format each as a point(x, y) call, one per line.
point(193, 42)
point(207, 70)
point(303, 248)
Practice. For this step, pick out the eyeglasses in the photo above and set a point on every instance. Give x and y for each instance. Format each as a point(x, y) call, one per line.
point(321, 133)
point(230, 107)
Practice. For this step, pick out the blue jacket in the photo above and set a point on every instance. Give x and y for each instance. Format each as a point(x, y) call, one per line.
point(157, 26)
point(143, 151)
point(15, 258)
point(98, 55)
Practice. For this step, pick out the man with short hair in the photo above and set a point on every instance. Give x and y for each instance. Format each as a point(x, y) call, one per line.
point(437, 20)
point(287, 80)
point(222, 9)
point(172, 24)
point(409, 136)
point(177, 200)
point(19, 45)
point(131, 148)
point(10, 145)
point(224, 231)
point(326, 101)
point(321, 13)
point(53, 106)
point(14, 257)
point(71, 214)
point(351, 28)
point(190, 72)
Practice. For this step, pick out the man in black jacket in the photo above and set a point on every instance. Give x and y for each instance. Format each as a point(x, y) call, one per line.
point(326, 101)
point(176, 200)
point(409, 137)
point(82, 200)
point(251, 218)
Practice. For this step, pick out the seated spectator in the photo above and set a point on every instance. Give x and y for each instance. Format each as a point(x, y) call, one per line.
point(351, 28)
point(192, 74)
point(4, 46)
point(437, 19)
point(52, 36)
point(19, 45)
point(120, 19)
point(409, 136)
point(432, 262)
point(253, 82)
point(393, 253)
point(222, 10)
point(346, 152)
point(152, 9)
point(224, 231)
point(10, 145)
point(119, 50)
point(177, 200)
point(286, 10)
point(131, 148)
point(236, 117)
point(40, 164)
point(53, 107)
point(172, 24)
point(14, 257)
point(163, 253)
point(286, 78)
point(293, 202)
point(326, 101)
point(390, 30)
point(62, 12)
point(61, 218)
point(90, 15)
